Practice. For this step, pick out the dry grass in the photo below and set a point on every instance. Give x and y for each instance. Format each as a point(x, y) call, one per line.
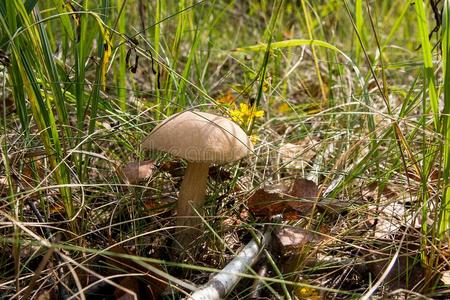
point(363, 116)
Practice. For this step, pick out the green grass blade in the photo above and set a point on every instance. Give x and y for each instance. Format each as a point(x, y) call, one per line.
point(444, 224)
point(122, 68)
point(427, 56)
point(359, 21)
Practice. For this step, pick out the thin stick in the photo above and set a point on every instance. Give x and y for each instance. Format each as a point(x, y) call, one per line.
point(224, 281)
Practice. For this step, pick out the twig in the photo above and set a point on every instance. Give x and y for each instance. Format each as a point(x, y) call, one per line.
point(224, 281)
point(258, 285)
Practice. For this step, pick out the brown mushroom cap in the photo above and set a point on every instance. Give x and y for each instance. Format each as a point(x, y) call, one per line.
point(200, 137)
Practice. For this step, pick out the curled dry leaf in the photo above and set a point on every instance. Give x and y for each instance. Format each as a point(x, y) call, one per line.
point(137, 172)
point(266, 203)
point(290, 201)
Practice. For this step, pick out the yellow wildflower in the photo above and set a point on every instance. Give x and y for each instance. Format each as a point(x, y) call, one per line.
point(258, 114)
point(306, 293)
point(245, 114)
point(236, 115)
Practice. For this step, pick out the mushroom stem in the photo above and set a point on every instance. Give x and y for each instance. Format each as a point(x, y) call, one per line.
point(192, 195)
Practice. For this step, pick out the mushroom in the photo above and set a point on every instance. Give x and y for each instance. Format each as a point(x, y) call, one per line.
point(202, 139)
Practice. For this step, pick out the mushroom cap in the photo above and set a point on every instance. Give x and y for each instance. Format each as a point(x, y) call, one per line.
point(200, 137)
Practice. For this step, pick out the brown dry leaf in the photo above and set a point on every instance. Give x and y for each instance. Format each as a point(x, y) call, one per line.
point(137, 172)
point(306, 191)
point(293, 202)
point(57, 208)
point(159, 204)
point(387, 211)
point(310, 90)
point(268, 203)
point(406, 273)
point(9, 107)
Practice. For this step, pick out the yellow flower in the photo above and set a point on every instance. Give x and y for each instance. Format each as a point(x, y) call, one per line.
point(236, 115)
point(307, 293)
point(244, 109)
point(245, 114)
point(258, 114)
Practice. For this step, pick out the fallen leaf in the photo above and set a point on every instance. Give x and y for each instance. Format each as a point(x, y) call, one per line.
point(388, 213)
point(310, 90)
point(137, 172)
point(306, 191)
point(267, 203)
point(32, 173)
point(291, 239)
point(159, 204)
point(299, 197)
point(9, 107)
point(294, 202)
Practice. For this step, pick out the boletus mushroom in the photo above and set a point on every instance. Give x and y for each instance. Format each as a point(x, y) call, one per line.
point(202, 139)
